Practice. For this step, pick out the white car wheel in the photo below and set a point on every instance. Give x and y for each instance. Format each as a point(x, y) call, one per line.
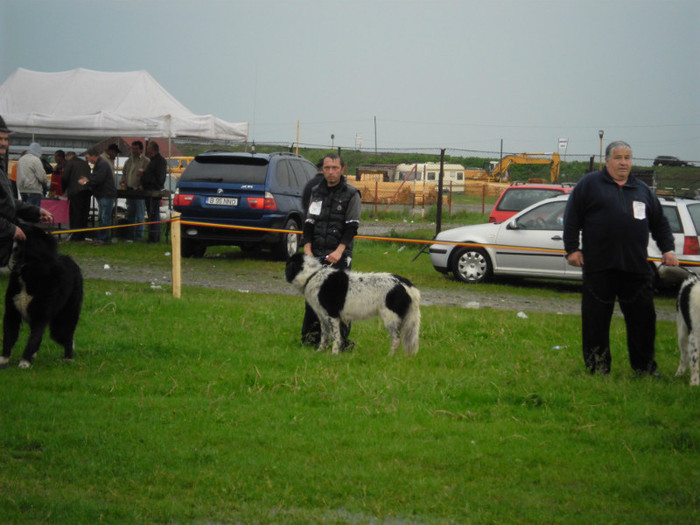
point(471, 265)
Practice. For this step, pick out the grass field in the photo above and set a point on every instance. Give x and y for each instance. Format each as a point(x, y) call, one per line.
point(207, 410)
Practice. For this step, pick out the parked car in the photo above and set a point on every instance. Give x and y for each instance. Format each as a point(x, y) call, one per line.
point(242, 189)
point(531, 244)
point(668, 160)
point(517, 197)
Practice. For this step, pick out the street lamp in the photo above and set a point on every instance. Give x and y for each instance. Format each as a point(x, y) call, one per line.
point(600, 163)
point(332, 140)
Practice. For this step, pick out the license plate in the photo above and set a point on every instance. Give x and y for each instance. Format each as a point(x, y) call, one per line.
point(222, 201)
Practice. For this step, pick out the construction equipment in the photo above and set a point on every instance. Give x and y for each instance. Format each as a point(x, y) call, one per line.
point(499, 172)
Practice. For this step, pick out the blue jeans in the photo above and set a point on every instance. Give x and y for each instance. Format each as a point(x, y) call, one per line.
point(32, 198)
point(104, 214)
point(135, 214)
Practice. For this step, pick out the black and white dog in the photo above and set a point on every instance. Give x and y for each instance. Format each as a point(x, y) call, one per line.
point(337, 295)
point(45, 289)
point(688, 323)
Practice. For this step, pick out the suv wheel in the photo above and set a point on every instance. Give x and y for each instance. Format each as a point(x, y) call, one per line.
point(289, 243)
point(189, 248)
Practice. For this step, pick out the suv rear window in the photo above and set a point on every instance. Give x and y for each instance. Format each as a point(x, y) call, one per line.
point(517, 199)
point(237, 170)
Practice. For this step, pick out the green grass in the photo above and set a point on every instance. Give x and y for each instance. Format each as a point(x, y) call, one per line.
point(207, 410)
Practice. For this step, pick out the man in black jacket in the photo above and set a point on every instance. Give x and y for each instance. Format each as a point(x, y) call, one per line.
point(153, 179)
point(332, 220)
point(101, 184)
point(615, 212)
point(78, 195)
point(12, 210)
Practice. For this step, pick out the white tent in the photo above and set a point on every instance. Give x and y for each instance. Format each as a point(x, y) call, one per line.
point(85, 103)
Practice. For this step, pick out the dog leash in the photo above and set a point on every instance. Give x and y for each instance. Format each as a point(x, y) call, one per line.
point(680, 267)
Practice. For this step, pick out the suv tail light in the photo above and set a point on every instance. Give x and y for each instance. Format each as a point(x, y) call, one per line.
point(268, 203)
point(691, 246)
point(182, 199)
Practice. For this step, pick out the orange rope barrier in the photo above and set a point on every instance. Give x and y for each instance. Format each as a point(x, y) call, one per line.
point(366, 237)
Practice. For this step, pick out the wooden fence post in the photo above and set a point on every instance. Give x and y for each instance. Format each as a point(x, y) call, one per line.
point(175, 236)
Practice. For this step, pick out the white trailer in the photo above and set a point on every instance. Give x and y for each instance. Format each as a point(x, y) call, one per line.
point(429, 172)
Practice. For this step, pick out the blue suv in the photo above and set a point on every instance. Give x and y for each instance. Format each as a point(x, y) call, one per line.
point(242, 189)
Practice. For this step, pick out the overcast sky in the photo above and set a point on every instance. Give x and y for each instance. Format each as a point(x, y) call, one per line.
point(461, 75)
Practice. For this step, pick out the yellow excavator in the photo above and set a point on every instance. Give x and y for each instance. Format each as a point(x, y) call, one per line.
point(499, 172)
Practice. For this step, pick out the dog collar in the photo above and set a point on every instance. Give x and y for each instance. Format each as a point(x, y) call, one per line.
point(311, 277)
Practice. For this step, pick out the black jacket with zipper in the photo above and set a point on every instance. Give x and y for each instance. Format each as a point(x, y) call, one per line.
point(616, 222)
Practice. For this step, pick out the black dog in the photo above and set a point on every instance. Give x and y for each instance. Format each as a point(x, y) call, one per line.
point(45, 289)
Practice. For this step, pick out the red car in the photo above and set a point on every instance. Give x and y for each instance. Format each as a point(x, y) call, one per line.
point(519, 196)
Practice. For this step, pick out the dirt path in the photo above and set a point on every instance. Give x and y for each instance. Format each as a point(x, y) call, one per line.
point(221, 277)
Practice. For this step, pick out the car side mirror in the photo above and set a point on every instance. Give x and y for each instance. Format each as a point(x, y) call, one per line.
point(513, 225)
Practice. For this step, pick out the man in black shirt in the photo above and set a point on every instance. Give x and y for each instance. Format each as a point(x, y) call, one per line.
point(614, 212)
point(332, 220)
point(153, 180)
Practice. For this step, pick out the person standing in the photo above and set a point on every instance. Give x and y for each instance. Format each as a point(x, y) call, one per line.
point(154, 180)
point(56, 188)
point(110, 155)
point(613, 212)
point(78, 194)
point(11, 210)
point(101, 184)
point(331, 224)
point(31, 176)
point(134, 169)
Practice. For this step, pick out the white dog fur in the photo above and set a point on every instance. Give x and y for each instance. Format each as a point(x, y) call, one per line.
point(688, 323)
point(337, 296)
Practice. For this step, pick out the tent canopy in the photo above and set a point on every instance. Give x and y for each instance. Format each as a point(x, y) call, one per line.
point(89, 103)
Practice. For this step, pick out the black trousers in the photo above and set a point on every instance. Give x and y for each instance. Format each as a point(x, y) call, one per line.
point(78, 211)
point(153, 212)
point(311, 326)
point(635, 293)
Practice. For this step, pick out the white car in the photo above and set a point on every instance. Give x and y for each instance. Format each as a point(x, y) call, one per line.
point(531, 244)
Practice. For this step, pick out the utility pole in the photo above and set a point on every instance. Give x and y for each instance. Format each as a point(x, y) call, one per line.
point(375, 134)
point(438, 219)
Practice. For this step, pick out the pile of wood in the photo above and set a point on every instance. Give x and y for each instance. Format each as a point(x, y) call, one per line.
point(395, 192)
point(488, 189)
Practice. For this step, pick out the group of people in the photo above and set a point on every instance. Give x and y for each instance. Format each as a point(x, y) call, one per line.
point(74, 178)
point(609, 217)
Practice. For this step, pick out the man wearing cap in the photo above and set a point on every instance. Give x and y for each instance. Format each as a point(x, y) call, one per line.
point(31, 176)
point(12, 210)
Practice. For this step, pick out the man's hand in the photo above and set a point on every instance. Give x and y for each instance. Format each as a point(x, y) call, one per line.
point(669, 259)
point(45, 215)
point(575, 258)
point(307, 249)
point(336, 254)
